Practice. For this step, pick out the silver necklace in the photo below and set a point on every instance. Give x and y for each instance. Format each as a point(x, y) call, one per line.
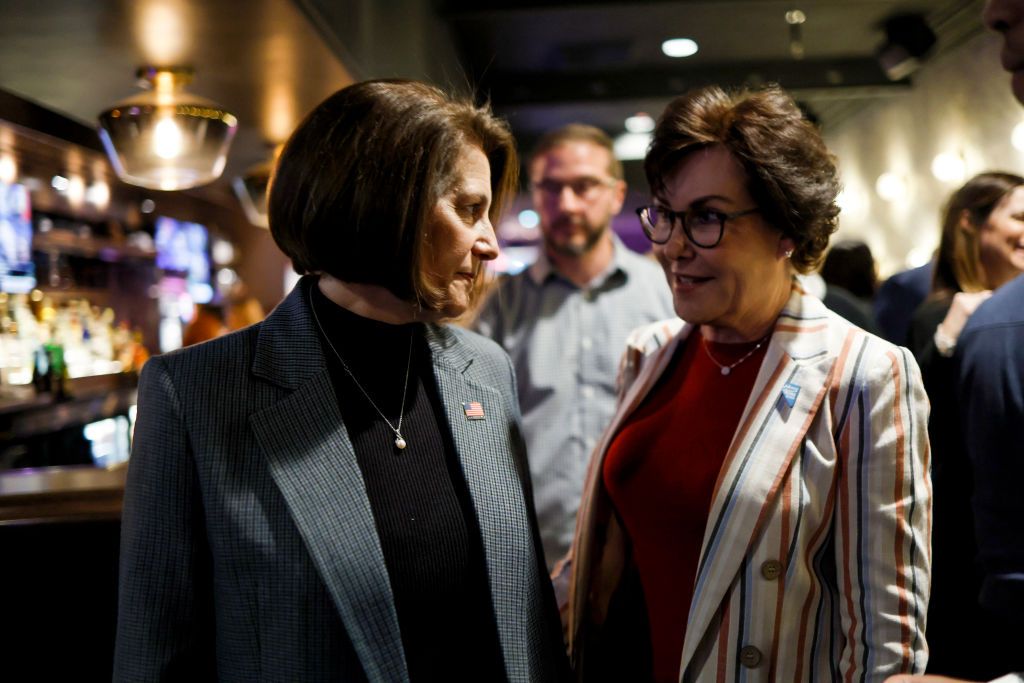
point(400, 441)
point(726, 369)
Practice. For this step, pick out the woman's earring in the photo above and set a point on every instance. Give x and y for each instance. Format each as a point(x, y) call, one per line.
point(789, 253)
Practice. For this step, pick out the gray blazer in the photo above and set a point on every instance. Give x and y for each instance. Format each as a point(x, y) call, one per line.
point(249, 550)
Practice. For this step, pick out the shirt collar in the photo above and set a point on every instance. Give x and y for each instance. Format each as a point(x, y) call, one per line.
point(542, 268)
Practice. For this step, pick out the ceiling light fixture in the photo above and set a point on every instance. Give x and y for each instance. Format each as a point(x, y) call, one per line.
point(251, 189)
point(891, 186)
point(679, 47)
point(640, 123)
point(948, 167)
point(631, 146)
point(166, 138)
point(8, 168)
point(1017, 137)
point(908, 42)
point(796, 18)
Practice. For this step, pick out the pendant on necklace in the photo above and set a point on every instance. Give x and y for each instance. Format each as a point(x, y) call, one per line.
point(400, 442)
point(726, 370)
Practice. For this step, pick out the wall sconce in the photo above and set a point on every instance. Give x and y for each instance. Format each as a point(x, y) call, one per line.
point(891, 186)
point(948, 167)
point(166, 138)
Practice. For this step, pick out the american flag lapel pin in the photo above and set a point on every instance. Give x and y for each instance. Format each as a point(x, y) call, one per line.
point(474, 410)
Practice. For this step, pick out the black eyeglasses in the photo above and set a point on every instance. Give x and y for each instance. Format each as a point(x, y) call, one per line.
point(584, 188)
point(703, 226)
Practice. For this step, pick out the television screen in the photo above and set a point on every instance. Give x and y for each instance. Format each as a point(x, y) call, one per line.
point(183, 247)
point(17, 273)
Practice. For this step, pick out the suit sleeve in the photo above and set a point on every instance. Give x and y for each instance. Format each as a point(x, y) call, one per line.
point(165, 622)
point(990, 384)
point(883, 522)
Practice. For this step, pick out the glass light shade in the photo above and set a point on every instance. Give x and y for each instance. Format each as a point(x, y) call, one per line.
point(167, 139)
point(251, 190)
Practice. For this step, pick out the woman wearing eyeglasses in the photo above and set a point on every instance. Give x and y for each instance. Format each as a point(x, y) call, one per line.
point(759, 507)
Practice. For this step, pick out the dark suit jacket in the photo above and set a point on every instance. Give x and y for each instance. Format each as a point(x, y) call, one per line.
point(990, 364)
point(898, 298)
point(249, 550)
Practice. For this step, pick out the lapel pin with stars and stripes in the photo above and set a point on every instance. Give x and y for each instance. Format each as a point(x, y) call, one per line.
point(789, 393)
point(474, 410)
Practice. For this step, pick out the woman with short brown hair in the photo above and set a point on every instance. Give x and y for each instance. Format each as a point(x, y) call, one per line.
point(759, 504)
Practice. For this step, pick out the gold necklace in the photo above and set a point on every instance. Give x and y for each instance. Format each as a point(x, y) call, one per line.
point(400, 441)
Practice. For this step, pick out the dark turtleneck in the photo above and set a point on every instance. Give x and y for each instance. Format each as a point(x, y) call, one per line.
point(424, 516)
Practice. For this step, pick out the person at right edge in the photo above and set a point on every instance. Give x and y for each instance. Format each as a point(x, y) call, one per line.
point(760, 506)
point(978, 253)
point(989, 367)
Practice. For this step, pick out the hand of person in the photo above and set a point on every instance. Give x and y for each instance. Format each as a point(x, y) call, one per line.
point(963, 306)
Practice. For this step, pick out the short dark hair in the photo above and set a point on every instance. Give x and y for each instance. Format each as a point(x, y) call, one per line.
point(579, 132)
point(790, 173)
point(354, 184)
point(851, 265)
point(958, 264)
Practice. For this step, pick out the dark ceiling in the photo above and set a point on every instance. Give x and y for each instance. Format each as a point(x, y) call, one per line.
point(543, 63)
point(540, 63)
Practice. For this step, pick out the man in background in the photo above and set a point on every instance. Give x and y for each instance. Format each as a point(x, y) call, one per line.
point(564, 321)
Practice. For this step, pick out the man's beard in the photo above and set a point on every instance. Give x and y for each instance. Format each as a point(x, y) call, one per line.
point(573, 249)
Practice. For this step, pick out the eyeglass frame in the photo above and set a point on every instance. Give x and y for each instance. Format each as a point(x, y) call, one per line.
point(592, 185)
point(682, 217)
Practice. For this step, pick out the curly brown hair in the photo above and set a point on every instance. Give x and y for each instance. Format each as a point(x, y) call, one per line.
point(791, 175)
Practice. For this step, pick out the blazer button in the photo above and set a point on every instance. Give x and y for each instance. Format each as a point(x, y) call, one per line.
point(750, 657)
point(770, 569)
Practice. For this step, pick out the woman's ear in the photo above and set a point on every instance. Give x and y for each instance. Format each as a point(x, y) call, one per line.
point(965, 223)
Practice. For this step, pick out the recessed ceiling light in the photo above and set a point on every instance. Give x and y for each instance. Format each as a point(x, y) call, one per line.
point(679, 47)
point(640, 123)
point(632, 146)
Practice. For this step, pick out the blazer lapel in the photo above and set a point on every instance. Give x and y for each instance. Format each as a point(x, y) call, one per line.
point(483, 448)
point(787, 394)
point(311, 459)
point(654, 353)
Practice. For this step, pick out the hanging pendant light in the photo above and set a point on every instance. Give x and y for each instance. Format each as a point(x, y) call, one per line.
point(166, 138)
point(251, 190)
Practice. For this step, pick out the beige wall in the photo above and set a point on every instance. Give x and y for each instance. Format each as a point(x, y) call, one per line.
point(960, 104)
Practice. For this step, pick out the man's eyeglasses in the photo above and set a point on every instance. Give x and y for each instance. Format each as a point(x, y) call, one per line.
point(703, 226)
point(584, 188)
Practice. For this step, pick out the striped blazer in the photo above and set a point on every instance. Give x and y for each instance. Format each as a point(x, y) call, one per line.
point(815, 559)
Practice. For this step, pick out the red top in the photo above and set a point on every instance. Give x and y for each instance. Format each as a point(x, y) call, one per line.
point(660, 473)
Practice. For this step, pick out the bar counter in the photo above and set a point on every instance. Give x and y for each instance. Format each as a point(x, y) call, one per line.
point(75, 493)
